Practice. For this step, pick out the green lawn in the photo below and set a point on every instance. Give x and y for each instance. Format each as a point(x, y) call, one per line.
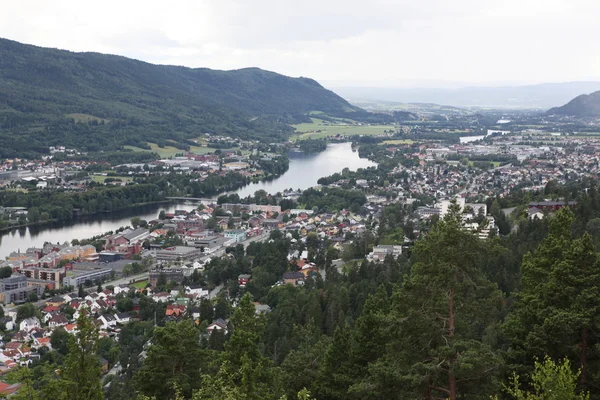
point(140, 284)
point(102, 178)
point(319, 129)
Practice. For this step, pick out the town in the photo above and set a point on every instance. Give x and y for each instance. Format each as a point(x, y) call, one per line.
point(184, 261)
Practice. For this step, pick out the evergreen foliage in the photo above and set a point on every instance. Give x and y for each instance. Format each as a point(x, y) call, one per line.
point(52, 97)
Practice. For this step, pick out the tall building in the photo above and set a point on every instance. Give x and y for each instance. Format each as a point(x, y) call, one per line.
point(15, 289)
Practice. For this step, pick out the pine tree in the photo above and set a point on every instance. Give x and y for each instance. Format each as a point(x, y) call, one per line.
point(244, 372)
point(81, 373)
point(173, 362)
point(335, 373)
point(438, 320)
point(556, 312)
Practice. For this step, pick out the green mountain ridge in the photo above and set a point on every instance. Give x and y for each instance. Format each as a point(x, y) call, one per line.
point(584, 106)
point(139, 102)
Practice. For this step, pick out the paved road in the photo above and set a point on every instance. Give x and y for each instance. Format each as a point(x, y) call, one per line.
point(126, 280)
point(215, 292)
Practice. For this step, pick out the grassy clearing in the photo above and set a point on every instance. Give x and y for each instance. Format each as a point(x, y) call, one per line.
point(164, 152)
point(140, 284)
point(399, 141)
point(496, 164)
point(85, 118)
point(319, 129)
point(102, 178)
point(206, 150)
point(22, 190)
point(170, 151)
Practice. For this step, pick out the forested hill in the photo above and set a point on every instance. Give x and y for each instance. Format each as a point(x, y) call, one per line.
point(124, 101)
point(586, 105)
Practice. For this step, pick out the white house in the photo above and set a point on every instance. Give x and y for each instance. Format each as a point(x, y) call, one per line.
point(29, 323)
point(48, 316)
point(380, 252)
point(161, 297)
point(9, 323)
point(121, 289)
point(108, 321)
point(219, 325)
point(102, 295)
point(57, 320)
point(122, 318)
point(197, 291)
point(92, 297)
point(198, 265)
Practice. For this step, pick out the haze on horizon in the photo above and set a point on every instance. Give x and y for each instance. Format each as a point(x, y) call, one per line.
point(385, 43)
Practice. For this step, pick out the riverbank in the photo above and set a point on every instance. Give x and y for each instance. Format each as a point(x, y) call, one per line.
point(50, 222)
point(303, 172)
point(66, 206)
point(83, 227)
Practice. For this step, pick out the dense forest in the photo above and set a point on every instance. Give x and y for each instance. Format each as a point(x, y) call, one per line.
point(95, 102)
point(312, 145)
point(457, 317)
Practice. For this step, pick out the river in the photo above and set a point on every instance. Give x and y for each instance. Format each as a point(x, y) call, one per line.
point(306, 169)
point(83, 228)
point(303, 172)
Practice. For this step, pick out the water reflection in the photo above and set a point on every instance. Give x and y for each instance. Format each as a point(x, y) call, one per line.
point(305, 170)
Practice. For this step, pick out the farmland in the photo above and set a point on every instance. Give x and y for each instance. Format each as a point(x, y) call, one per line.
point(319, 129)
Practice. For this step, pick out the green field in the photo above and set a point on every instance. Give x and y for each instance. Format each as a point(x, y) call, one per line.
point(399, 141)
point(169, 151)
point(140, 284)
point(102, 178)
point(319, 129)
point(496, 164)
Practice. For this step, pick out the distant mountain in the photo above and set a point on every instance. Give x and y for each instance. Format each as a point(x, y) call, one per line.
point(542, 96)
point(415, 108)
point(584, 106)
point(97, 102)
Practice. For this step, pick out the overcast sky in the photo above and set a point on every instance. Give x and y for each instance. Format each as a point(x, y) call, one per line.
point(338, 42)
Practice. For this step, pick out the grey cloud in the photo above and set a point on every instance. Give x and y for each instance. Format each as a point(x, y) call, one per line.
point(385, 41)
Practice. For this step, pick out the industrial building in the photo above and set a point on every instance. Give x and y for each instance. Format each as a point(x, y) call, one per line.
point(77, 277)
